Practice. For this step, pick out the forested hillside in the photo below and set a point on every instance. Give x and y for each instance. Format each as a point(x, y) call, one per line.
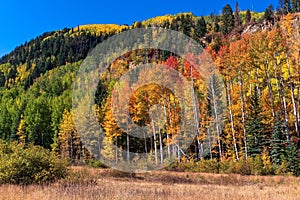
point(256, 53)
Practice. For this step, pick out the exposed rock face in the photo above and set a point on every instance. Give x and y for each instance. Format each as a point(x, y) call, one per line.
point(257, 27)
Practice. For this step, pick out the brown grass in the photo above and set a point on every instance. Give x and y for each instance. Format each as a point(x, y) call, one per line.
point(88, 183)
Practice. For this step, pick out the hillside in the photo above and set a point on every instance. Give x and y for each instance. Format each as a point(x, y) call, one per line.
point(257, 57)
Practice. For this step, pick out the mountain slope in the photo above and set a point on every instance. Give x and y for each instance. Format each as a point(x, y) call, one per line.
point(258, 61)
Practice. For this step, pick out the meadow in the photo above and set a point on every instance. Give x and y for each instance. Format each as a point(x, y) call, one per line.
point(90, 183)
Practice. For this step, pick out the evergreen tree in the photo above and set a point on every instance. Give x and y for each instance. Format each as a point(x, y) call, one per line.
point(280, 7)
point(227, 19)
point(200, 28)
point(255, 129)
point(277, 142)
point(2, 79)
point(295, 5)
point(287, 7)
point(293, 159)
point(216, 27)
point(5, 122)
point(248, 16)
point(237, 18)
point(269, 13)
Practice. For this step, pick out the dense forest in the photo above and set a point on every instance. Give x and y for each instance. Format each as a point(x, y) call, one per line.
point(257, 55)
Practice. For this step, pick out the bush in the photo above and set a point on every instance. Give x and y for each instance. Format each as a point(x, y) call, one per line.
point(96, 164)
point(26, 165)
point(208, 166)
point(243, 167)
point(282, 169)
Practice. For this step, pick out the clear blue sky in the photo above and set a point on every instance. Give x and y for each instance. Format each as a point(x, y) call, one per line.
point(22, 20)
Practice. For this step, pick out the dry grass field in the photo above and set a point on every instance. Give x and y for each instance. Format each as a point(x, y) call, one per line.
point(88, 183)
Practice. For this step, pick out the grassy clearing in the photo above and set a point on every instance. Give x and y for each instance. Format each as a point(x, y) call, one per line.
point(89, 183)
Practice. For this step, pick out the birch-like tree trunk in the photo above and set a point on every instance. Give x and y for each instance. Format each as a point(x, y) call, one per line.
point(154, 141)
point(216, 114)
point(232, 124)
point(243, 114)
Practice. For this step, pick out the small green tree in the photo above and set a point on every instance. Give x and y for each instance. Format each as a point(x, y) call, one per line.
point(293, 159)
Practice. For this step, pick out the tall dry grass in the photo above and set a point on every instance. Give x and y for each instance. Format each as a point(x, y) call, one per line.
point(88, 183)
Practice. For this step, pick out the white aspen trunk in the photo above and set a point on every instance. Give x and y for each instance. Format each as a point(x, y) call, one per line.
point(161, 147)
point(154, 141)
point(243, 115)
point(293, 99)
point(196, 120)
point(285, 114)
point(216, 118)
point(257, 85)
point(116, 152)
point(232, 125)
point(267, 71)
point(168, 142)
point(210, 143)
point(127, 138)
point(178, 153)
point(280, 90)
point(145, 144)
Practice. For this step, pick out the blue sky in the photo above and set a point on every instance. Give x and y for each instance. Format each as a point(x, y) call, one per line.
point(21, 21)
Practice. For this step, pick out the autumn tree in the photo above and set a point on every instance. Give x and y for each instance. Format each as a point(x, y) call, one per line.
point(68, 139)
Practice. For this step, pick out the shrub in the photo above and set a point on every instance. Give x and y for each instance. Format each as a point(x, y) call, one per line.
point(257, 166)
point(243, 167)
point(96, 164)
point(282, 169)
point(20, 164)
point(208, 166)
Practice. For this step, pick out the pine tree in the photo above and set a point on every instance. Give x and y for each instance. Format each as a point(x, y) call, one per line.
point(248, 16)
point(293, 159)
point(216, 27)
point(269, 13)
point(280, 5)
point(255, 138)
point(287, 7)
point(200, 28)
point(295, 5)
point(227, 19)
point(277, 142)
point(237, 18)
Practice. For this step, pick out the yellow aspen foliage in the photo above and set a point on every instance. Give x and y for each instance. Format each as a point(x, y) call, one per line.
point(21, 130)
point(68, 138)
